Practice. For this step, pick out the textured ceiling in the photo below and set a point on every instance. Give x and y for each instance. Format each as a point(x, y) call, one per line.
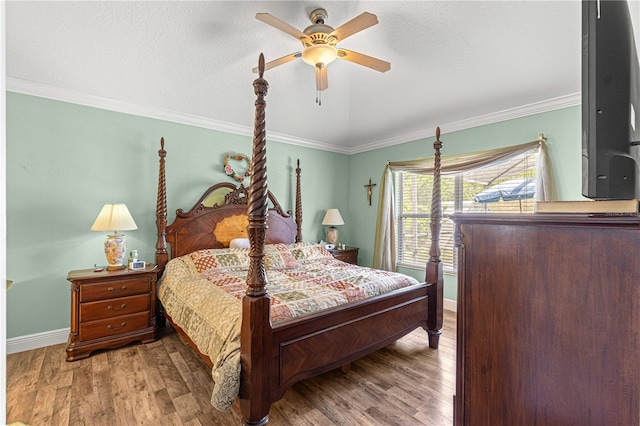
point(451, 62)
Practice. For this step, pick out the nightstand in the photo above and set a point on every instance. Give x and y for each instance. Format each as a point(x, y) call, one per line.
point(348, 254)
point(110, 309)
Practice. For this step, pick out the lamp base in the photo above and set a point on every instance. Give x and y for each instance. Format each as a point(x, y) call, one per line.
point(332, 235)
point(114, 249)
point(115, 267)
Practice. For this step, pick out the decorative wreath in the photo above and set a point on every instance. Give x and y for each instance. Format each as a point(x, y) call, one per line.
point(229, 171)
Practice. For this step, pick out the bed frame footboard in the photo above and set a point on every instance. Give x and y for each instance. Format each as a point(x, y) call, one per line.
point(308, 346)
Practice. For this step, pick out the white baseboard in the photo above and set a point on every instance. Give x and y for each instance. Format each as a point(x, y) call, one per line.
point(55, 337)
point(450, 305)
point(38, 340)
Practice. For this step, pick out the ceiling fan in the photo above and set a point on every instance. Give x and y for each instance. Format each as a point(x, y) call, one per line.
point(319, 41)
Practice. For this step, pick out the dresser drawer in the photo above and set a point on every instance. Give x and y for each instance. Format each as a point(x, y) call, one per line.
point(109, 290)
point(102, 309)
point(112, 326)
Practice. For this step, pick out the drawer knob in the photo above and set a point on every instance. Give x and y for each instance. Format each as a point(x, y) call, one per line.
point(124, 287)
point(110, 327)
point(111, 308)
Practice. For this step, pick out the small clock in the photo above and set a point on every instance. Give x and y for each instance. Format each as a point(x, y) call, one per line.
point(138, 265)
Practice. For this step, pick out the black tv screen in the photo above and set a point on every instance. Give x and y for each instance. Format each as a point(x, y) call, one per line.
point(610, 100)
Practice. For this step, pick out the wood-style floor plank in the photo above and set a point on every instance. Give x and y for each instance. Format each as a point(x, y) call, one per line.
point(81, 410)
point(166, 383)
point(43, 406)
point(61, 406)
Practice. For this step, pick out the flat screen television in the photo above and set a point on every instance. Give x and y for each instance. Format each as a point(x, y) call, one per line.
point(610, 99)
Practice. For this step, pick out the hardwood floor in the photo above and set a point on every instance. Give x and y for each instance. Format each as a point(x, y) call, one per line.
point(165, 383)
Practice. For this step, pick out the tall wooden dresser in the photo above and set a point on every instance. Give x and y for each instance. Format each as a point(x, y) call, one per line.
point(548, 320)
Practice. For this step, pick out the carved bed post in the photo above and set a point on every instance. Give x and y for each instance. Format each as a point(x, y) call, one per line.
point(161, 212)
point(434, 266)
point(256, 327)
point(298, 205)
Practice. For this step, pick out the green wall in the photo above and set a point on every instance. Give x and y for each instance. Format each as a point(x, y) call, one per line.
point(64, 161)
point(561, 127)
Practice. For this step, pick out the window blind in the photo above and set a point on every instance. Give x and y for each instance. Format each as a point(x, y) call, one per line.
point(503, 186)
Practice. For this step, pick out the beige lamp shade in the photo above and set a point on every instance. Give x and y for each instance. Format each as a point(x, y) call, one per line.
point(114, 217)
point(332, 217)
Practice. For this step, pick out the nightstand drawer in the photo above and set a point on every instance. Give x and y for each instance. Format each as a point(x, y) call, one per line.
point(109, 290)
point(113, 307)
point(112, 326)
point(348, 254)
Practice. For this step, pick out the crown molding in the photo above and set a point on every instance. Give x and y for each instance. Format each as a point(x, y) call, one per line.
point(548, 105)
point(66, 95)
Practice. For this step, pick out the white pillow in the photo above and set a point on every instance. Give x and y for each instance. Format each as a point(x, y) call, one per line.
point(239, 243)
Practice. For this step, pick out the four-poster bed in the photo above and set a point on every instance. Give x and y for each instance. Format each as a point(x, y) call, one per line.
point(274, 353)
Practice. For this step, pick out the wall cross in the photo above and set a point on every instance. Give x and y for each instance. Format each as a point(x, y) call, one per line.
point(369, 191)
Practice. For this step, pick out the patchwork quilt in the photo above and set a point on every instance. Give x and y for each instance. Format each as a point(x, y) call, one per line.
point(202, 293)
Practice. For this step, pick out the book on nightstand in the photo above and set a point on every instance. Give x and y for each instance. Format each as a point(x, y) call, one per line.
point(601, 207)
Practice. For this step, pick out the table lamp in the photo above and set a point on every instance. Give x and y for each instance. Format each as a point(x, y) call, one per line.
point(114, 217)
point(331, 218)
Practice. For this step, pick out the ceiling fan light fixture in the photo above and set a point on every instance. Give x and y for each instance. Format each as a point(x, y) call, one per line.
point(319, 54)
point(319, 41)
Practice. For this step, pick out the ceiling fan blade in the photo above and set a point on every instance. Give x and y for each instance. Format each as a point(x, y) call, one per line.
point(281, 25)
point(357, 24)
point(367, 61)
point(272, 64)
point(322, 82)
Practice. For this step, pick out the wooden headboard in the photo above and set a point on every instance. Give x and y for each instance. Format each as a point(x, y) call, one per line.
point(218, 216)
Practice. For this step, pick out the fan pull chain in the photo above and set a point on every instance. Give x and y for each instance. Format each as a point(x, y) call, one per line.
point(319, 98)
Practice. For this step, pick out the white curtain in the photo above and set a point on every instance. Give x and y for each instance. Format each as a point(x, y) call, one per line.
point(384, 254)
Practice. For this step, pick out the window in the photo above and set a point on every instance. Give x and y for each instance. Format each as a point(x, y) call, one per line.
point(507, 186)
